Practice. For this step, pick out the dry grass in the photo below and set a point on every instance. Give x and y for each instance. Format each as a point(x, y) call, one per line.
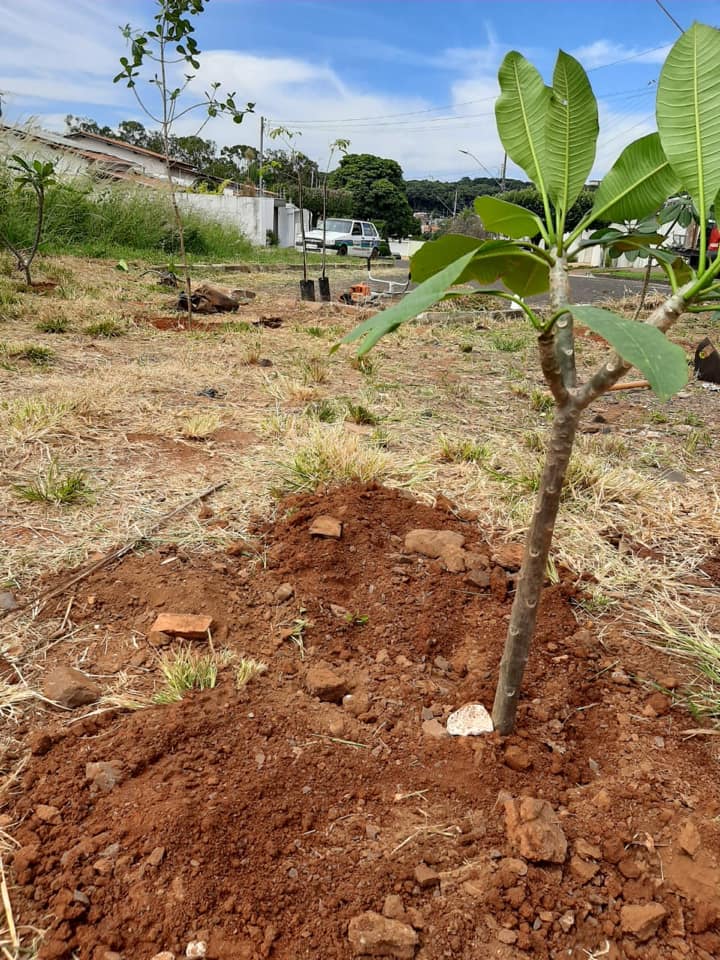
point(200, 426)
point(328, 455)
point(85, 408)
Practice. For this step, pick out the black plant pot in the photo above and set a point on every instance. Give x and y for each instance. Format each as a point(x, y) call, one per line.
point(307, 289)
point(324, 288)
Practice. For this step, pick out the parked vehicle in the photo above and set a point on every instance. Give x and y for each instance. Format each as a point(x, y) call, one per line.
point(357, 238)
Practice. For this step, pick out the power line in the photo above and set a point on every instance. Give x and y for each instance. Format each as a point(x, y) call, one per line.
point(635, 56)
point(669, 15)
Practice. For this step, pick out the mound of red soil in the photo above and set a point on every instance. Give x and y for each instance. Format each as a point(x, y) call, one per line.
point(261, 822)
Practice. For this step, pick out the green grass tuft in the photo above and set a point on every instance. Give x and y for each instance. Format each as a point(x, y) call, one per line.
point(38, 355)
point(53, 486)
point(105, 328)
point(53, 325)
point(184, 670)
point(463, 450)
point(357, 413)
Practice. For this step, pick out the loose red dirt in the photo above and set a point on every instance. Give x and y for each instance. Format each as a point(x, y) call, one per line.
point(262, 821)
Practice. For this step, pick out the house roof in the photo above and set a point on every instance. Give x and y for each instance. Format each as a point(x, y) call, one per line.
point(58, 142)
point(131, 147)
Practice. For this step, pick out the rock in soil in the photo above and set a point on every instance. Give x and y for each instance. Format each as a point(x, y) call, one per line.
point(284, 592)
point(321, 681)
point(533, 830)
point(469, 721)
point(372, 935)
point(689, 839)
point(70, 687)
point(103, 776)
point(517, 759)
point(434, 729)
point(8, 603)
point(188, 625)
point(326, 526)
point(426, 877)
point(642, 920)
point(508, 555)
point(433, 543)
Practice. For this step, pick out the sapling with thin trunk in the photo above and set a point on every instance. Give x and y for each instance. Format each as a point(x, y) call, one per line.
point(167, 49)
point(37, 176)
point(341, 145)
point(550, 131)
point(288, 138)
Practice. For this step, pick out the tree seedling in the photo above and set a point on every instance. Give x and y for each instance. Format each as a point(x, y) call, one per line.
point(37, 176)
point(164, 50)
point(550, 131)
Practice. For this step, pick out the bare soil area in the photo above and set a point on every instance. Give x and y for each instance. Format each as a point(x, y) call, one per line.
point(261, 821)
point(321, 809)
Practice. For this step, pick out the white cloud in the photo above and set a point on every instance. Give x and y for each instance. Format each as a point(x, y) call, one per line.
point(56, 57)
point(600, 53)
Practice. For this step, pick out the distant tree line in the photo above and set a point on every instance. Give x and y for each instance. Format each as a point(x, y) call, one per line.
point(438, 197)
point(363, 185)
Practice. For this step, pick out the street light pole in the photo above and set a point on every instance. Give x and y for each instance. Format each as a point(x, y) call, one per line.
point(500, 183)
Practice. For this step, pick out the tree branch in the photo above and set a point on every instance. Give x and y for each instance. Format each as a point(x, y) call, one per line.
point(551, 368)
point(663, 317)
point(564, 336)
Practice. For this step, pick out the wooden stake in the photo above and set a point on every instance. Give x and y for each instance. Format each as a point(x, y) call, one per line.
point(630, 385)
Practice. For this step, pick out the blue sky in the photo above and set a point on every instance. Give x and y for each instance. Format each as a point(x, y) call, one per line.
point(410, 79)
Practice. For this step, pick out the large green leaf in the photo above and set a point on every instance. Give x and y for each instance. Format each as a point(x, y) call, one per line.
point(638, 183)
point(644, 346)
point(410, 306)
point(499, 216)
point(522, 271)
point(521, 112)
point(433, 256)
point(687, 111)
point(571, 132)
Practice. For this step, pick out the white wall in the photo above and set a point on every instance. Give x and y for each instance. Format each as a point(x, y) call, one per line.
point(252, 216)
point(406, 248)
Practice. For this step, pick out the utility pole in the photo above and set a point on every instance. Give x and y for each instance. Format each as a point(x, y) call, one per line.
point(455, 204)
point(261, 184)
point(503, 173)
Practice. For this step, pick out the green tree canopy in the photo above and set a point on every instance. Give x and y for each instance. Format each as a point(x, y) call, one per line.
point(530, 199)
point(378, 190)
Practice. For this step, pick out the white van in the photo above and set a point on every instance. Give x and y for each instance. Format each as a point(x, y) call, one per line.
point(355, 237)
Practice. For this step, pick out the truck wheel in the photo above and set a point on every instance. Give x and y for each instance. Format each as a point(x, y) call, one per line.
point(342, 251)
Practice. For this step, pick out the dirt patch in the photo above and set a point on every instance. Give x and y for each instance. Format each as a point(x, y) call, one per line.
point(165, 448)
point(262, 821)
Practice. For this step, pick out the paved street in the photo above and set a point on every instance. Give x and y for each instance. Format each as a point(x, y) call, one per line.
point(584, 289)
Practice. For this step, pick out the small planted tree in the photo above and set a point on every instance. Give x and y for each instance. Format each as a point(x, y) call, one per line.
point(34, 176)
point(551, 132)
point(341, 145)
point(307, 287)
point(160, 55)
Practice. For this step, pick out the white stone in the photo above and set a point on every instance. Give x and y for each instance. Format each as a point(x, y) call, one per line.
point(469, 721)
point(196, 948)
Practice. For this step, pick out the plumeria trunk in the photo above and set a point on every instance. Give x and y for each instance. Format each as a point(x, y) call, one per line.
point(556, 350)
point(537, 547)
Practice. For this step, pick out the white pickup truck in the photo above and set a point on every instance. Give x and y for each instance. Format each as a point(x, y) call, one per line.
point(357, 238)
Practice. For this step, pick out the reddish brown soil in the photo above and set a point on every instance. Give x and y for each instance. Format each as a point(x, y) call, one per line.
point(262, 821)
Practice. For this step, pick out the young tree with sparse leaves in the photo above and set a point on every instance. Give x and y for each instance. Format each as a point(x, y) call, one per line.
point(167, 49)
point(37, 176)
point(550, 131)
